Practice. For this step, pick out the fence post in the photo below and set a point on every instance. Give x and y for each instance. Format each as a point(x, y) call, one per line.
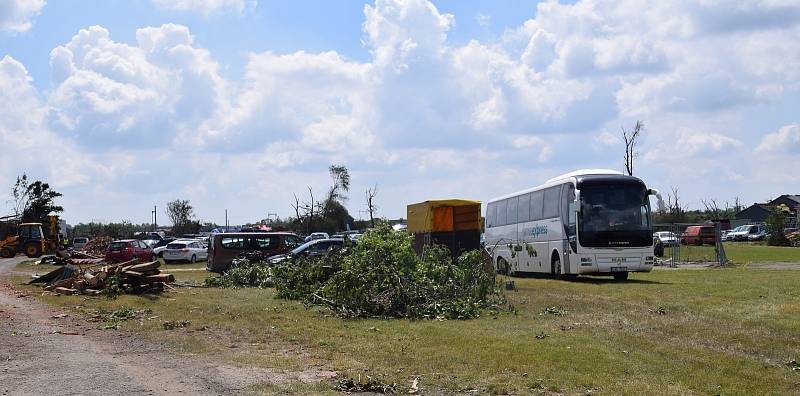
point(718, 247)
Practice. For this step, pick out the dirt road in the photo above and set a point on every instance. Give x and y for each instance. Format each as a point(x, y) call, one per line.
point(41, 353)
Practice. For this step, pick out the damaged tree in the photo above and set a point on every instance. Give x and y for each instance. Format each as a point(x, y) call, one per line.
point(630, 139)
point(371, 208)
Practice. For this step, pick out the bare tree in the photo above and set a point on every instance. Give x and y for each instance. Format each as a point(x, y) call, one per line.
point(296, 206)
point(677, 213)
point(308, 208)
point(371, 208)
point(630, 138)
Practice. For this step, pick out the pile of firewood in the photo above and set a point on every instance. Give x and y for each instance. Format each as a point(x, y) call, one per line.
point(97, 246)
point(129, 277)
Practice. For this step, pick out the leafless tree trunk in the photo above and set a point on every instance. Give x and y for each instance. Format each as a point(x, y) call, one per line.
point(310, 211)
point(630, 138)
point(676, 211)
point(296, 208)
point(371, 208)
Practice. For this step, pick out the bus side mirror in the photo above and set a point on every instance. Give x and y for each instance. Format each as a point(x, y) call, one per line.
point(653, 191)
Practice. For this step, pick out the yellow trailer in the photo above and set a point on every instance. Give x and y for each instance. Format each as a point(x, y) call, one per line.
point(455, 223)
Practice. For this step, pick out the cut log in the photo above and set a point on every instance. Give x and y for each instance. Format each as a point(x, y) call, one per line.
point(132, 273)
point(165, 278)
point(65, 290)
point(146, 266)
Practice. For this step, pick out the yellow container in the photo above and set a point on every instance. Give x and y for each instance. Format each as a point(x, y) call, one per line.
point(444, 215)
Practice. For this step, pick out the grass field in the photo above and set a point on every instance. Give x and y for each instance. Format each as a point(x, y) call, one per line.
point(739, 253)
point(716, 331)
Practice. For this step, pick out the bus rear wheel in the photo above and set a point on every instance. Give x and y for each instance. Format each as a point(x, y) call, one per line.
point(555, 267)
point(621, 276)
point(503, 267)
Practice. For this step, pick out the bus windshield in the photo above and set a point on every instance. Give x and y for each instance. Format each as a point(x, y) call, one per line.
point(615, 216)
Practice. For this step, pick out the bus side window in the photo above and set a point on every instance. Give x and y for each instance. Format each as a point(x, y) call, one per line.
point(491, 210)
point(537, 202)
point(524, 208)
point(512, 211)
point(501, 212)
point(551, 198)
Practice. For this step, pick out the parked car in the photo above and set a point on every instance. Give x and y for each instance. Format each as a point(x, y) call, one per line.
point(79, 242)
point(759, 236)
point(698, 235)
point(225, 247)
point(158, 248)
point(317, 247)
point(667, 238)
point(317, 235)
point(742, 233)
point(128, 249)
point(787, 231)
point(150, 238)
point(189, 250)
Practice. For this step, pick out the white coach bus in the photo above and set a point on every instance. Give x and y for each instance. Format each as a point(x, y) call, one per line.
point(586, 222)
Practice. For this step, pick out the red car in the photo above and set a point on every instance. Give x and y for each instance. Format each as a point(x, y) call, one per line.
point(698, 235)
point(128, 249)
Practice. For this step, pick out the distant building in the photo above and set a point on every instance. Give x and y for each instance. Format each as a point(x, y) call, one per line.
point(791, 201)
point(759, 212)
point(756, 213)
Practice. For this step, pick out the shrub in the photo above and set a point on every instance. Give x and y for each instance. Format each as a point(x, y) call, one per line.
point(775, 224)
point(383, 277)
point(245, 272)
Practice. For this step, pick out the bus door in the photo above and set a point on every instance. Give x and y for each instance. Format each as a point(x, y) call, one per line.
point(525, 240)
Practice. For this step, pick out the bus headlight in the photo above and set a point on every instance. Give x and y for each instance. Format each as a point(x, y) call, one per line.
point(586, 261)
point(648, 260)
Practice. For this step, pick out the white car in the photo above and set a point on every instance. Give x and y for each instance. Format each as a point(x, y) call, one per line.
point(317, 235)
point(667, 238)
point(743, 233)
point(190, 250)
point(79, 242)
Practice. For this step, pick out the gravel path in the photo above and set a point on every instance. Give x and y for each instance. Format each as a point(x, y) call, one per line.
point(44, 352)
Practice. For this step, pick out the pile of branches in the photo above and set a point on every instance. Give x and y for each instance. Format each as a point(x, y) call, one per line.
point(248, 269)
point(91, 277)
point(384, 277)
point(794, 238)
point(97, 246)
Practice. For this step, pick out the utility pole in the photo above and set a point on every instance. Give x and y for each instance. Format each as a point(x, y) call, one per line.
point(226, 220)
point(155, 218)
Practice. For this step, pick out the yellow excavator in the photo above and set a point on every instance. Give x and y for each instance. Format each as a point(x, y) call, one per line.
point(27, 238)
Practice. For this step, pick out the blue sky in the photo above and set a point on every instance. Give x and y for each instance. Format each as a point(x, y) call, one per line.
point(241, 103)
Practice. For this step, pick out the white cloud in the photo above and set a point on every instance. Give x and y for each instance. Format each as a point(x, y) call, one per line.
point(787, 139)
point(689, 143)
point(483, 20)
point(501, 110)
point(207, 7)
point(117, 95)
point(16, 15)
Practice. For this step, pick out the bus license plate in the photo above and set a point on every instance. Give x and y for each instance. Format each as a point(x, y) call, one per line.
point(619, 269)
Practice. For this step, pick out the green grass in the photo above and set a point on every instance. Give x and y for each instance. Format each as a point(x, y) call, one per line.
point(739, 253)
point(716, 331)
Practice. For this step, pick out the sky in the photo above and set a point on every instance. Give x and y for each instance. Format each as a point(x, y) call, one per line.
point(240, 104)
